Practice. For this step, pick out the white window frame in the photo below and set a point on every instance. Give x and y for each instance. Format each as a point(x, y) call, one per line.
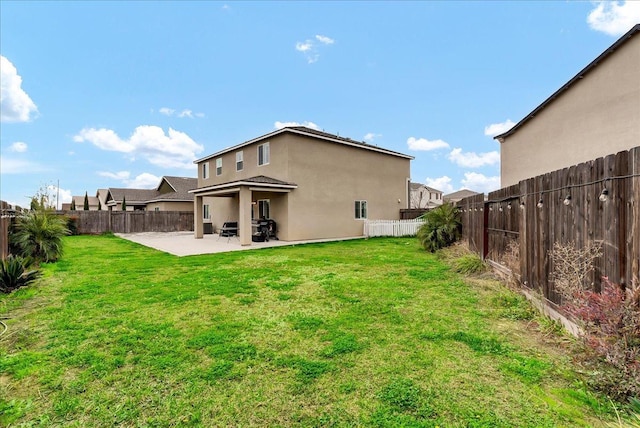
point(239, 161)
point(361, 210)
point(218, 167)
point(205, 170)
point(206, 214)
point(156, 209)
point(266, 154)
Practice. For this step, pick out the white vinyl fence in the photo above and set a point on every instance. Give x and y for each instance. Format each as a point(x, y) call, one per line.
point(392, 227)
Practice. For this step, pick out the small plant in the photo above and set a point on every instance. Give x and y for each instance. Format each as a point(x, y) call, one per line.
point(14, 273)
point(38, 235)
point(469, 264)
point(610, 319)
point(572, 265)
point(441, 228)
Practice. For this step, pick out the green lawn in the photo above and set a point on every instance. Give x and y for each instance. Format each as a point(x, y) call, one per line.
point(356, 333)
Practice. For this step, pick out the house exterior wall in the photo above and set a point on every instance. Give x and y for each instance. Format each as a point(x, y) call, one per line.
point(170, 206)
point(596, 116)
point(330, 178)
point(424, 198)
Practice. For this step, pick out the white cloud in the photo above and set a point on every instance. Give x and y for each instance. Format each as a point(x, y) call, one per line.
point(18, 147)
point(441, 183)
point(15, 103)
point(144, 181)
point(141, 181)
point(498, 128)
point(614, 17)
point(64, 196)
point(426, 145)
point(371, 136)
point(19, 166)
point(324, 39)
point(473, 160)
point(480, 182)
point(310, 47)
point(304, 47)
point(184, 113)
point(172, 150)
point(280, 125)
point(121, 175)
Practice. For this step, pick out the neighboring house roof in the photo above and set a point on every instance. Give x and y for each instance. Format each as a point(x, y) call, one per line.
point(181, 187)
point(460, 194)
point(180, 193)
point(302, 130)
point(79, 200)
point(132, 196)
point(257, 181)
point(634, 30)
point(417, 186)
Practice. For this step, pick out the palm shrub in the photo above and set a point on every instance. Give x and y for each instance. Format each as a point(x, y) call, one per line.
point(38, 234)
point(441, 227)
point(14, 273)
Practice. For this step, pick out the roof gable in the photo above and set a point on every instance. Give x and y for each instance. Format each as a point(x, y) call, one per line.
point(601, 58)
point(308, 132)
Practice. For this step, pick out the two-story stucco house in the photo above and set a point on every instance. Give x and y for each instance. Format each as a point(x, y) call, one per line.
point(595, 114)
point(424, 197)
point(314, 185)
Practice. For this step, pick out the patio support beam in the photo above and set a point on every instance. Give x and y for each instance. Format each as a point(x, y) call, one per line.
point(198, 221)
point(244, 224)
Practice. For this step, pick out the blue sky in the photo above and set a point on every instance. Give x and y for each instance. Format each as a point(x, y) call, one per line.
point(118, 94)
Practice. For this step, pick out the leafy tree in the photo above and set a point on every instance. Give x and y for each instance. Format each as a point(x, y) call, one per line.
point(124, 203)
point(86, 201)
point(14, 273)
point(73, 205)
point(441, 228)
point(38, 234)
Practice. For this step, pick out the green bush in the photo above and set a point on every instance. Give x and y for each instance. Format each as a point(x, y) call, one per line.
point(441, 228)
point(38, 234)
point(14, 273)
point(469, 264)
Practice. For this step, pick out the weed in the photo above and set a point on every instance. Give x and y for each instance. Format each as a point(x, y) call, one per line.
point(469, 264)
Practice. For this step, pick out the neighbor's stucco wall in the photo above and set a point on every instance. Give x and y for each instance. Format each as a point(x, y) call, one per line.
point(170, 206)
point(597, 116)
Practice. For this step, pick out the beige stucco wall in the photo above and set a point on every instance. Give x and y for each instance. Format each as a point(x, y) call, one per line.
point(597, 116)
point(170, 206)
point(330, 178)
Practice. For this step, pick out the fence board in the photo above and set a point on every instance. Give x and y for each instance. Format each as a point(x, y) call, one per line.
point(96, 222)
point(615, 222)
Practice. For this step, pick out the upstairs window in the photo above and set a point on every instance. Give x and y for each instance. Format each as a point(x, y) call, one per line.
point(219, 166)
point(361, 210)
point(239, 161)
point(205, 170)
point(263, 154)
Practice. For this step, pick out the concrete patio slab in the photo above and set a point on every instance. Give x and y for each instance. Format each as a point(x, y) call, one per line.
point(184, 244)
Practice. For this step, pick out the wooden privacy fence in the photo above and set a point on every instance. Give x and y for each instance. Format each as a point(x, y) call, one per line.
point(392, 227)
point(96, 222)
point(593, 202)
point(5, 221)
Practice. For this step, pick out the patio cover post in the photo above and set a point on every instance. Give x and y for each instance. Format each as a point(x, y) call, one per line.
point(244, 226)
point(198, 221)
